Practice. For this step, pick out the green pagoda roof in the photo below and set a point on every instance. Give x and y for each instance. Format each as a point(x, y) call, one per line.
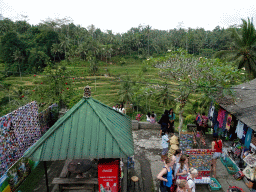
point(89, 129)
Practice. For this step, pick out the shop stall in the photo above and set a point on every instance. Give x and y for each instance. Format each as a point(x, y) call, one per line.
point(201, 160)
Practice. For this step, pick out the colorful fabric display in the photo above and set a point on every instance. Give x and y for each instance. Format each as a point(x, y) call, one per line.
point(211, 111)
point(239, 129)
point(18, 131)
point(245, 128)
point(229, 120)
point(221, 116)
point(248, 138)
point(224, 121)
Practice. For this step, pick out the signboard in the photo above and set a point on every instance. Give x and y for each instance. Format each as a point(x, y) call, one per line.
point(109, 175)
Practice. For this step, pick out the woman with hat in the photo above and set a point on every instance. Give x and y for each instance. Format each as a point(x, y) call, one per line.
point(217, 147)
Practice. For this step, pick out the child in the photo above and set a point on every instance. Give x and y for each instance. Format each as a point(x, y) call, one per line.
point(165, 144)
point(182, 170)
point(152, 119)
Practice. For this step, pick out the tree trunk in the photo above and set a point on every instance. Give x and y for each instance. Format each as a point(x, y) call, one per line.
point(180, 120)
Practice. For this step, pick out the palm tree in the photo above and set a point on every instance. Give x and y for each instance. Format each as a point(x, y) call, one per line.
point(164, 97)
point(126, 91)
point(243, 51)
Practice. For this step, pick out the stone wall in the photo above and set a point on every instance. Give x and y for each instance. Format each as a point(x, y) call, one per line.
point(144, 125)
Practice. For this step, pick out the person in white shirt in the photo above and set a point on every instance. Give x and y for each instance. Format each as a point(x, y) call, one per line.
point(165, 145)
point(121, 109)
point(191, 180)
point(148, 117)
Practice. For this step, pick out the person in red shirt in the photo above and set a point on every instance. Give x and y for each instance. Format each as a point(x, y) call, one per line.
point(217, 146)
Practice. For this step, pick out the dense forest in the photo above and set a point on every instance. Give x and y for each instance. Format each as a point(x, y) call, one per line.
point(30, 48)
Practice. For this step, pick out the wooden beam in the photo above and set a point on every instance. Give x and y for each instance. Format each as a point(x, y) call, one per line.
point(64, 171)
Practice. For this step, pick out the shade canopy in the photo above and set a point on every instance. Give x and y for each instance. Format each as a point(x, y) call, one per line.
point(90, 129)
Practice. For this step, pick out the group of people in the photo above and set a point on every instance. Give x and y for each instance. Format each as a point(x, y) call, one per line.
point(120, 108)
point(176, 175)
point(167, 122)
point(201, 122)
point(151, 117)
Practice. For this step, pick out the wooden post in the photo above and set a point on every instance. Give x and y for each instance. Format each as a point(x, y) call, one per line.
point(46, 176)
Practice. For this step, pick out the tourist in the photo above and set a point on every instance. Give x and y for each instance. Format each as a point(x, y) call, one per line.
point(191, 180)
point(152, 119)
point(217, 146)
point(182, 168)
point(154, 115)
point(171, 118)
point(148, 117)
point(122, 109)
point(165, 145)
point(204, 123)
point(117, 107)
point(177, 155)
point(198, 121)
point(164, 122)
point(182, 186)
point(165, 175)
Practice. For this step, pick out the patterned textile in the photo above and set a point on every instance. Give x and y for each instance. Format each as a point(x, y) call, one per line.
point(18, 131)
point(224, 121)
point(245, 128)
point(239, 129)
point(45, 118)
point(214, 118)
point(211, 111)
point(221, 116)
point(248, 138)
point(229, 120)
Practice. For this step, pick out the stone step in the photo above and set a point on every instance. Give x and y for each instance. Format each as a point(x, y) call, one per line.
point(136, 171)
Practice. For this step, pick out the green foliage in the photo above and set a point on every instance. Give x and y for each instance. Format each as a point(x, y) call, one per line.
point(38, 60)
point(93, 65)
point(10, 44)
point(55, 87)
point(189, 119)
point(242, 50)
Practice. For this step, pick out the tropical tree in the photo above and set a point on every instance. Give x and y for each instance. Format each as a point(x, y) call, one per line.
point(193, 75)
point(126, 91)
point(243, 50)
point(165, 97)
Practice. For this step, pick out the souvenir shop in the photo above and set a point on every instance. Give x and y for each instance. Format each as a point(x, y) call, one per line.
point(238, 137)
point(199, 157)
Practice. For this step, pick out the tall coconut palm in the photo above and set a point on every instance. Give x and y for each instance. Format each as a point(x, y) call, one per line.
point(126, 91)
point(165, 97)
point(243, 51)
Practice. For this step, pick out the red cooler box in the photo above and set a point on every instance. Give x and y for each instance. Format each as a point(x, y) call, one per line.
point(108, 175)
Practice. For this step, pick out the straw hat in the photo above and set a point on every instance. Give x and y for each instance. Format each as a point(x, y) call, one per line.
point(174, 147)
point(174, 137)
point(174, 142)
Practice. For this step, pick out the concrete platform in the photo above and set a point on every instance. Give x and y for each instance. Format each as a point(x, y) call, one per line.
point(226, 179)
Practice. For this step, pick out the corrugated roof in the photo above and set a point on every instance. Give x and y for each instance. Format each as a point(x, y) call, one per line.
point(244, 107)
point(90, 129)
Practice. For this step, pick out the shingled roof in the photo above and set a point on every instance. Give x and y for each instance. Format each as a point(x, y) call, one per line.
point(244, 106)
